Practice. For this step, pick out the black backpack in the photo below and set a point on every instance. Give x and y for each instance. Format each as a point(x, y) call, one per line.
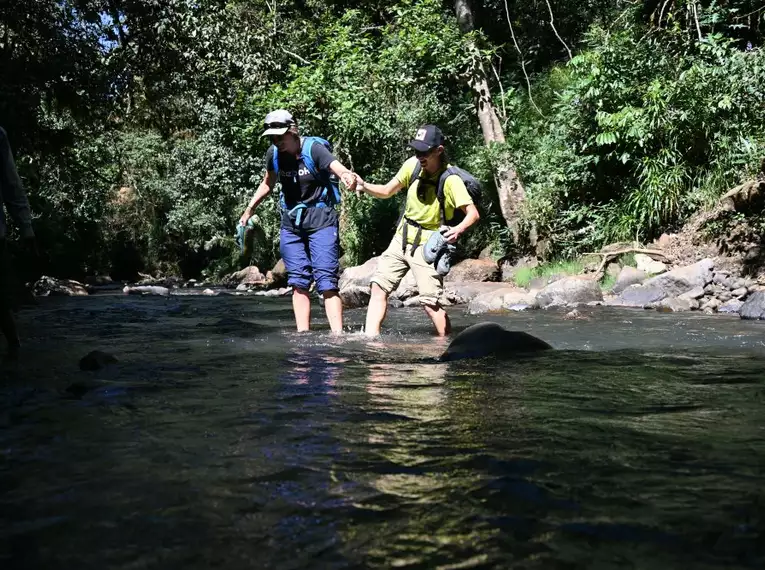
point(471, 183)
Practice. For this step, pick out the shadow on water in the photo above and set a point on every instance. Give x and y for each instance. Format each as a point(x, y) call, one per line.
point(223, 439)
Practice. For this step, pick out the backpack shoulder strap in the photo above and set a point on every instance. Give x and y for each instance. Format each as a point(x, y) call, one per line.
point(325, 177)
point(275, 159)
point(441, 194)
point(415, 173)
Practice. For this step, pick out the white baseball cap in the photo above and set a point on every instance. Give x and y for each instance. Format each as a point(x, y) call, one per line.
point(278, 122)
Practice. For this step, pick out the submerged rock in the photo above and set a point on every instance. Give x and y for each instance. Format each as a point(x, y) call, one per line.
point(96, 360)
point(484, 339)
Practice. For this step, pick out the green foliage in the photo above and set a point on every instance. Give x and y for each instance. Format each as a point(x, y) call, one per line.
point(137, 124)
point(641, 131)
point(607, 282)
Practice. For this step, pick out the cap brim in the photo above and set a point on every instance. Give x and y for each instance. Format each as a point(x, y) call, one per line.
point(269, 132)
point(419, 145)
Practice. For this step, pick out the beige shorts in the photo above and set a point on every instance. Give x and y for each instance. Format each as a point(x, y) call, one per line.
point(394, 264)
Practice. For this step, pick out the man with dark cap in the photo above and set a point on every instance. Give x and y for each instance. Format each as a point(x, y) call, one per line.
point(422, 217)
point(309, 239)
point(15, 200)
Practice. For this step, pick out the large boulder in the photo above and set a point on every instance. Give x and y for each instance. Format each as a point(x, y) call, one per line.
point(277, 277)
point(481, 270)
point(50, 286)
point(754, 307)
point(569, 291)
point(671, 284)
point(359, 274)
point(683, 279)
point(638, 296)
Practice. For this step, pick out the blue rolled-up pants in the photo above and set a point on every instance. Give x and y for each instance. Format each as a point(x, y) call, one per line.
point(311, 255)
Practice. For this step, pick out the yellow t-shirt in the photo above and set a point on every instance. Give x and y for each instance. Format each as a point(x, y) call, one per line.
point(424, 209)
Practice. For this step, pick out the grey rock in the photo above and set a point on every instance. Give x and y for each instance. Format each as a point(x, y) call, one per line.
point(569, 291)
point(738, 284)
point(695, 293)
point(354, 296)
point(677, 304)
point(640, 295)
point(628, 276)
point(147, 290)
point(712, 303)
point(683, 279)
point(724, 296)
point(754, 307)
point(50, 286)
point(474, 270)
point(720, 277)
point(732, 306)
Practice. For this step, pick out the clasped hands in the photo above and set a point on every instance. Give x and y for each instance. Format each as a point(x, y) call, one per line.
point(353, 182)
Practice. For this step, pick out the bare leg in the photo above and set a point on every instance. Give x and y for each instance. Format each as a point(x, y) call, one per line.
point(440, 319)
point(333, 306)
point(301, 306)
point(376, 311)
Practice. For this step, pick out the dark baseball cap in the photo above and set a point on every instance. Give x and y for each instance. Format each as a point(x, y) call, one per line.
point(278, 122)
point(427, 137)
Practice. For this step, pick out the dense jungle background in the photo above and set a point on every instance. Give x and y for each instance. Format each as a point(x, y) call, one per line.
point(136, 123)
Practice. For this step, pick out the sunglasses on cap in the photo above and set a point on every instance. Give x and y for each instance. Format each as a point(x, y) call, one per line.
point(278, 125)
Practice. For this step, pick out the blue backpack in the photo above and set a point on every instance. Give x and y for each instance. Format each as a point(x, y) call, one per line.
point(329, 197)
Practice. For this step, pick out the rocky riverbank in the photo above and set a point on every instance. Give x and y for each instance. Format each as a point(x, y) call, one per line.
point(686, 271)
point(708, 285)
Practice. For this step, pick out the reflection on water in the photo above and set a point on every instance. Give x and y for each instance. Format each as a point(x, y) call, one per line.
point(224, 439)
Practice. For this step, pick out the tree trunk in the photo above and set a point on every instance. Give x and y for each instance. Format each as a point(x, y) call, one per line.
point(509, 187)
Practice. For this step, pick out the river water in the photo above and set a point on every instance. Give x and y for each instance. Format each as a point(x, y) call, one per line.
point(222, 439)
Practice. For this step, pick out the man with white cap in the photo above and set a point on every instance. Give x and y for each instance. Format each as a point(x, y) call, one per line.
point(309, 238)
